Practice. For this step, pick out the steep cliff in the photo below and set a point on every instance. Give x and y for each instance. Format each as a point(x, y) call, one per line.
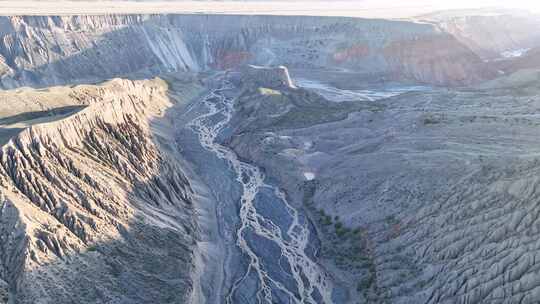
point(41, 51)
point(490, 33)
point(92, 210)
point(268, 77)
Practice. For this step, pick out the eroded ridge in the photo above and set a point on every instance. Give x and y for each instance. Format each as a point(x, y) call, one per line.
point(92, 209)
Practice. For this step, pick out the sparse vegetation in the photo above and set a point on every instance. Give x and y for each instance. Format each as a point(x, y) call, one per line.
point(348, 248)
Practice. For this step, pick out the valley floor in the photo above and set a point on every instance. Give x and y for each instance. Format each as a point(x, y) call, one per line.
point(316, 194)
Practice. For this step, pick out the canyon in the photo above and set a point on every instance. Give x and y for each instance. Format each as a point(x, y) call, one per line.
point(202, 158)
point(44, 51)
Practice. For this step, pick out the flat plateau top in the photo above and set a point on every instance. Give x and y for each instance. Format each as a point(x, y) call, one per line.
point(364, 8)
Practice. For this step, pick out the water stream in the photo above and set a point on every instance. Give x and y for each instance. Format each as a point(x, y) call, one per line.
point(273, 236)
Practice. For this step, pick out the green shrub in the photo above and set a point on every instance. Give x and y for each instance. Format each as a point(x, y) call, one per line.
point(327, 220)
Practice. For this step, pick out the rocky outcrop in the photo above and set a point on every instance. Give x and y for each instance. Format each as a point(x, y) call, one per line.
point(4, 68)
point(268, 77)
point(92, 210)
point(42, 51)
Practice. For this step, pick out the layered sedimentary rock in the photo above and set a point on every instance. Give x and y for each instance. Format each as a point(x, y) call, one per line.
point(53, 50)
point(92, 210)
point(270, 77)
point(436, 59)
point(491, 34)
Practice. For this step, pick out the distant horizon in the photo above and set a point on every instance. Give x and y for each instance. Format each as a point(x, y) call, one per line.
point(345, 8)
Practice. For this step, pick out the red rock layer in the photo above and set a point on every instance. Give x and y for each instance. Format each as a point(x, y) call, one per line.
point(437, 59)
point(351, 53)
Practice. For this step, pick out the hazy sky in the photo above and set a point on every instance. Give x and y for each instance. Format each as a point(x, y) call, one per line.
point(452, 4)
point(359, 8)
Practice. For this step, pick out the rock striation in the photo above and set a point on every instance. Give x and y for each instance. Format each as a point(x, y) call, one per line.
point(43, 51)
point(92, 210)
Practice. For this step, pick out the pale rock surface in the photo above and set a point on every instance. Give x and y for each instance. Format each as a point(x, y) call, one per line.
point(269, 77)
point(92, 210)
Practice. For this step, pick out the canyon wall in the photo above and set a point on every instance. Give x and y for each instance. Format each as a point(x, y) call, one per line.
point(40, 51)
point(490, 34)
point(92, 209)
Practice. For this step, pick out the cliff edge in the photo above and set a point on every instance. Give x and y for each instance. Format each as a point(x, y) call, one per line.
point(92, 210)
